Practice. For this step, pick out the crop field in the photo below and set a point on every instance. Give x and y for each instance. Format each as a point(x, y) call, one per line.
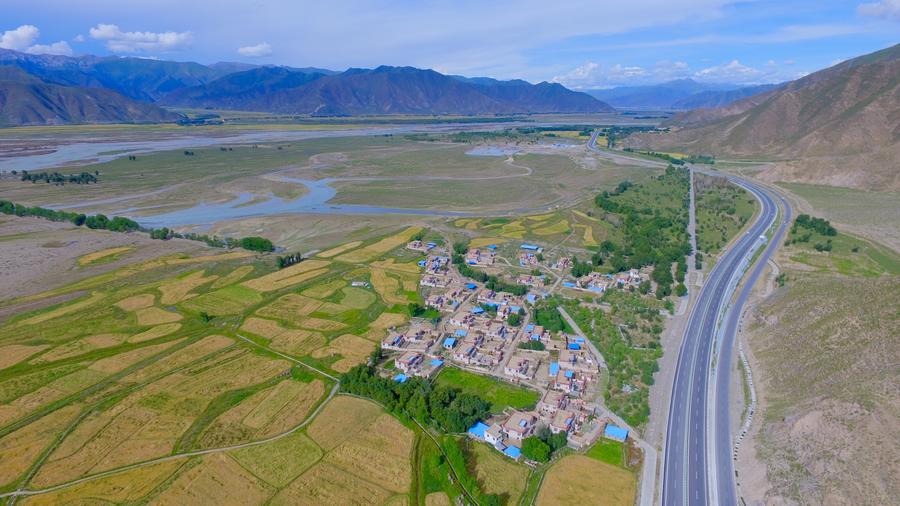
point(500, 394)
point(106, 255)
point(143, 363)
point(497, 474)
point(573, 227)
point(577, 479)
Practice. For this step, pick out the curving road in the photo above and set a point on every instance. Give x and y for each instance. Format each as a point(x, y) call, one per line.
point(698, 467)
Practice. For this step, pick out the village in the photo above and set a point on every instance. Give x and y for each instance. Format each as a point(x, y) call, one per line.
point(491, 333)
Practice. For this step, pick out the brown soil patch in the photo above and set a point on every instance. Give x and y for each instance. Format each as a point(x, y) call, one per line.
point(339, 249)
point(155, 333)
point(136, 302)
point(176, 290)
point(353, 350)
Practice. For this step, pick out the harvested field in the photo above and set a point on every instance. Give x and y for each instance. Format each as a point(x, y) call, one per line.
point(394, 241)
point(287, 276)
point(497, 474)
point(209, 258)
point(194, 351)
point(353, 351)
point(325, 289)
point(102, 254)
point(290, 308)
point(19, 449)
point(155, 333)
point(230, 300)
point(65, 309)
point(437, 499)
point(176, 290)
point(136, 302)
point(122, 361)
point(379, 454)
point(320, 324)
point(326, 484)
point(349, 413)
point(218, 479)
point(378, 328)
point(275, 400)
point(129, 486)
point(577, 479)
point(15, 353)
point(279, 462)
point(339, 249)
point(155, 316)
point(482, 242)
point(294, 341)
point(388, 286)
point(232, 277)
point(390, 264)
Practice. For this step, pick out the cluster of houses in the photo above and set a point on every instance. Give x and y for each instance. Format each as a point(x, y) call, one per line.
point(477, 256)
point(531, 280)
point(480, 337)
point(599, 283)
point(424, 247)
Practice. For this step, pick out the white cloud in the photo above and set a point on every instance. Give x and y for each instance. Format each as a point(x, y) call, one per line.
point(20, 38)
point(59, 48)
point(594, 75)
point(257, 51)
point(118, 41)
point(888, 9)
point(79, 38)
point(23, 38)
point(732, 72)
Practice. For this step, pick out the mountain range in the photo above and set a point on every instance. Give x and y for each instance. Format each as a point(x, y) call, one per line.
point(838, 126)
point(680, 94)
point(138, 88)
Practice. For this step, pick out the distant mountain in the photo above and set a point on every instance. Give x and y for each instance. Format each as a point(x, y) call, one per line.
point(719, 98)
point(838, 126)
point(250, 90)
point(384, 90)
point(679, 94)
point(225, 85)
point(138, 78)
point(27, 100)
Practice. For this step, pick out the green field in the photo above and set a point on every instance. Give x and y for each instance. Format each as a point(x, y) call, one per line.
point(611, 452)
point(499, 393)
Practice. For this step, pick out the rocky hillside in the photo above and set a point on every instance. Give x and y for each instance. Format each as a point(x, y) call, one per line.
point(838, 126)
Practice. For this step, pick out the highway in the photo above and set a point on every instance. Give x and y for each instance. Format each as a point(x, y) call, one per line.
point(698, 466)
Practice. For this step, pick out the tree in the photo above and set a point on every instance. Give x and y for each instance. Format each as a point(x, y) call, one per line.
point(514, 319)
point(535, 449)
point(254, 243)
point(681, 290)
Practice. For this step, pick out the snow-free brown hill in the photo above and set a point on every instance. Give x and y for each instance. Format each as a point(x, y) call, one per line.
point(839, 126)
point(27, 100)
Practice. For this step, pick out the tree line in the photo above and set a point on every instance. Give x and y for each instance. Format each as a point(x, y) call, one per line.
point(122, 224)
point(60, 179)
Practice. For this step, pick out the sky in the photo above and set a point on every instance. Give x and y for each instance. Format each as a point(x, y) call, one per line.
point(582, 44)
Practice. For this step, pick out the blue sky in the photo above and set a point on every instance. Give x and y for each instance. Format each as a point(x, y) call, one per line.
point(582, 44)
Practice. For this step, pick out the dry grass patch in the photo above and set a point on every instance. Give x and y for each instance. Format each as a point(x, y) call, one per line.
point(482, 242)
point(378, 328)
point(339, 249)
point(279, 462)
point(156, 316)
point(128, 486)
point(217, 480)
point(437, 499)
point(326, 484)
point(388, 286)
point(136, 302)
point(232, 277)
point(155, 333)
point(81, 346)
point(390, 264)
point(577, 479)
point(191, 352)
point(353, 351)
point(99, 255)
point(15, 353)
point(379, 454)
point(20, 448)
point(394, 241)
point(64, 310)
point(177, 290)
point(350, 414)
point(294, 274)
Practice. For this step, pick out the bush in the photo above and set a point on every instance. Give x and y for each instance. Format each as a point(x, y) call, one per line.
point(535, 449)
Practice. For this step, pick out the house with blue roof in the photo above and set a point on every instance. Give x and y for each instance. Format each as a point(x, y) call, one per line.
point(449, 343)
point(512, 452)
point(554, 369)
point(615, 433)
point(401, 378)
point(461, 333)
point(530, 247)
point(478, 430)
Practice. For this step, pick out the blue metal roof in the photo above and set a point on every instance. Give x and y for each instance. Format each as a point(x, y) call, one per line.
point(471, 286)
point(574, 346)
point(461, 333)
point(530, 298)
point(450, 342)
point(530, 247)
point(512, 451)
point(422, 263)
point(529, 327)
point(400, 378)
point(569, 374)
point(478, 430)
point(568, 284)
point(514, 309)
point(615, 432)
point(554, 368)
point(478, 310)
point(436, 362)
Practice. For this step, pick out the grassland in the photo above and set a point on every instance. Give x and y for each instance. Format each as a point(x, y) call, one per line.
point(722, 209)
point(500, 394)
point(847, 255)
point(495, 473)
